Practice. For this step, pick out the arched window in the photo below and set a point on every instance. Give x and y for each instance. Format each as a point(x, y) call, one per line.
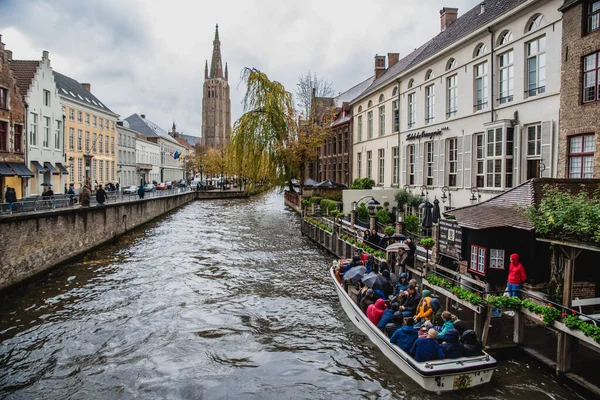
point(480, 50)
point(411, 83)
point(429, 75)
point(381, 98)
point(370, 103)
point(359, 109)
point(534, 23)
point(395, 92)
point(451, 64)
point(505, 37)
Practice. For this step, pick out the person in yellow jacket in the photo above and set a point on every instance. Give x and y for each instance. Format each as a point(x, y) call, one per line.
point(424, 310)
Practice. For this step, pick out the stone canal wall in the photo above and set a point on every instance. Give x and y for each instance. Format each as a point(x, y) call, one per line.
point(35, 242)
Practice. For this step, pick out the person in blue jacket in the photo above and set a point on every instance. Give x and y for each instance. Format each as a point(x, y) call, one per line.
point(406, 336)
point(402, 284)
point(451, 347)
point(427, 348)
point(448, 324)
point(387, 316)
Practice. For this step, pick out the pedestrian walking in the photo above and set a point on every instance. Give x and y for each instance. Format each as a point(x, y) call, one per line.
point(117, 186)
point(141, 192)
point(100, 195)
point(516, 276)
point(10, 197)
point(71, 193)
point(85, 197)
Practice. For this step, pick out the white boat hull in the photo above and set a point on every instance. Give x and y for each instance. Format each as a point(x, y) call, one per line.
point(434, 376)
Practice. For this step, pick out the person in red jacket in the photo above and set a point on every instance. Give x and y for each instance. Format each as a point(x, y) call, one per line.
point(516, 276)
point(375, 311)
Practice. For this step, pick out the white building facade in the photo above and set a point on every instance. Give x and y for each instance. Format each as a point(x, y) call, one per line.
point(45, 141)
point(126, 158)
point(468, 118)
point(147, 158)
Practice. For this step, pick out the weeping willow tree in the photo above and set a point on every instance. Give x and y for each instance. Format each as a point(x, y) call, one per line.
point(261, 136)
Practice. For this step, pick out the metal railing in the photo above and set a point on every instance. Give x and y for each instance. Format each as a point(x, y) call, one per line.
point(33, 204)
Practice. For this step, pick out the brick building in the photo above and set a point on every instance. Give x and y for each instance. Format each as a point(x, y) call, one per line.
point(13, 172)
point(579, 133)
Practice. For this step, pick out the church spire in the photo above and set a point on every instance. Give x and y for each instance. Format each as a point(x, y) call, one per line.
point(226, 73)
point(216, 65)
point(206, 70)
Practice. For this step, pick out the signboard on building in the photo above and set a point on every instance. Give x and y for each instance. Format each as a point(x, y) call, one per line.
point(426, 135)
point(450, 239)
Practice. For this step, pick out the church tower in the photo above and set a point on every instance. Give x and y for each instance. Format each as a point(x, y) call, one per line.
point(216, 104)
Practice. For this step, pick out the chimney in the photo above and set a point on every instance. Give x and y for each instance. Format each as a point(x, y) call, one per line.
point(8, 55)
point(447, 17)
point(482, 9)
point(379, 66)
point(143, 116)
point(87, 86)
point(393, 59)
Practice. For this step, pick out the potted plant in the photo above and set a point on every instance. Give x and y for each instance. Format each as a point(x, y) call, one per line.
point(427, 244)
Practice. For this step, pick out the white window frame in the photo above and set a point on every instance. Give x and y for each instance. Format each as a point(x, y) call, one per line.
point(429, 104)
point(477, 264)
point(429, 156)
point(411, 159)
point(536, 66)
point(452, 85)
point(480, 86)
point(412, 110)
point(46, 137)
point(360, 128)
point(370, 164)
point(536, 141)
point(80, 170)
point(33, 130)
point(57, 134)
point(395, 164)
point(497, 258)
point(370, 124)
point(382, 120)
point(479, 146)
point(452, 157)
point(396, 115)
point(381, 156)
point(506, 74)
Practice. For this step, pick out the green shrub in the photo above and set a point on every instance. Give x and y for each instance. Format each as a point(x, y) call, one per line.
point(363, 211)
point(335, 196)
point(315, 200)
point(389, 231)
point(362, 183)
point(383, 216)
point(428, 243)
point(411, 223)
point(450, 217)
point(328, 205)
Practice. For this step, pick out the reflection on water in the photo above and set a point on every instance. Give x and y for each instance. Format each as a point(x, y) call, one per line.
point(221, 299)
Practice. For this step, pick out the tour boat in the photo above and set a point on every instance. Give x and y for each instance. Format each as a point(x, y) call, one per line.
point(434, 376)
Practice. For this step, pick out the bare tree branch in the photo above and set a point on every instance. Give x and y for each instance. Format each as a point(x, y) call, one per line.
point(304, 89)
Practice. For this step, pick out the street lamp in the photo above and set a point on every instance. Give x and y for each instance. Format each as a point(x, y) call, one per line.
point(445, 196)
point(473, 198)
point(424, 192)
point(372, 205)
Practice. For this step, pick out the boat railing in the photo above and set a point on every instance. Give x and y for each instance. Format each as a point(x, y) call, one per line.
point(462, 361)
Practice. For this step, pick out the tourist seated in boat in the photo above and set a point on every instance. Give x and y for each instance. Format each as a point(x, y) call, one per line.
point(402, 284)
point(415, 285)
point(448, 324)
point(386, 286)
point(375, 311)
point(406, 336)
point(436, 318)
point(471, 346)
point(460, 326)
point(353, 291)
point(411, 302)
point(395, 324)
point(367, 300)
point(427, 348)
point(451, 347)
point(387, 316)
point(424, 311)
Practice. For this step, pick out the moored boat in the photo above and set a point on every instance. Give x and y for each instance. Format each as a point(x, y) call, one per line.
point(435, 376)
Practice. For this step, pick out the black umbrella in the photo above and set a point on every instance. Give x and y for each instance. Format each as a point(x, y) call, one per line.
point(398, 236)
point(45, 184)
point(436, 211)
point(310, 182)
point(427, 222)
point(355, 274)
point(374, 281)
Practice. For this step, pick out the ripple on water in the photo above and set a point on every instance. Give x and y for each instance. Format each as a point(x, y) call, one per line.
point(219, 300)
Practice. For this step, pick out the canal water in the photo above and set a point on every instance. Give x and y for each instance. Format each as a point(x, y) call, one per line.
point(218, 300)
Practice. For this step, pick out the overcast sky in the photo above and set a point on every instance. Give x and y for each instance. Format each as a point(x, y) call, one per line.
point(147, 56)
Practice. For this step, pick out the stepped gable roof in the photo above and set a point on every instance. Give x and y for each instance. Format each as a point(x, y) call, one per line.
point(24, 71)
point(147, 127)
point(504, 210)
point(191, 139)
point(466, 24)
point(70, 88)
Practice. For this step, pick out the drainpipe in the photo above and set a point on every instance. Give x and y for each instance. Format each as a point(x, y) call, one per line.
point(399, 148)
point(25, 185)
point(492, 74)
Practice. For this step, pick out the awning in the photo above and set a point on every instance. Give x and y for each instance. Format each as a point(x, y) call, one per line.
point(39, 168)
point(5, 171)
point(20, 169)
point(51, 168)
point(62, 169)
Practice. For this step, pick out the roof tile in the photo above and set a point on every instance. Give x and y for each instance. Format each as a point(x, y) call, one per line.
point(24, 71)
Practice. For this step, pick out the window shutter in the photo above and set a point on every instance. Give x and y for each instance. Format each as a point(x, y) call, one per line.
point(518, 156)
point(466, 148)
point(442, 148)
point(404, 169)
point(435, 161)
point(419, 149)
point(547, 148)
point(459, 162)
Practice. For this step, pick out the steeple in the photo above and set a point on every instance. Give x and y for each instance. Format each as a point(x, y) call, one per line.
point(206, 70)
point(216, 65)
point(226, 73)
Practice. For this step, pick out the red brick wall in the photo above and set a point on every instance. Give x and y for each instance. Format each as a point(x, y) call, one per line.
point(584, 290)
point(16, 114)
point(575, 117)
